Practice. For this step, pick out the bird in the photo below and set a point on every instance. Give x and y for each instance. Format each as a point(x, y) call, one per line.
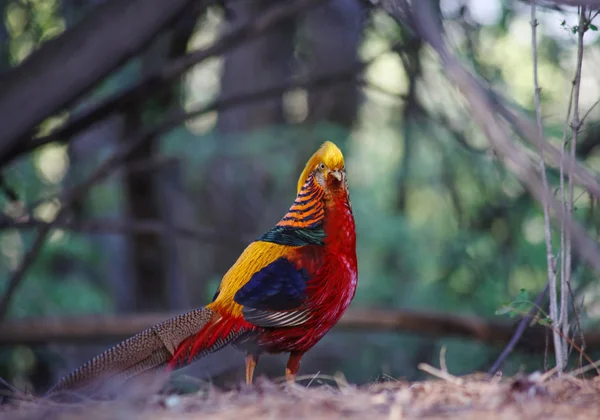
point(286, 290)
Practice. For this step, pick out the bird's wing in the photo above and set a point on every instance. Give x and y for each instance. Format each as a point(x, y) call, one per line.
point(267, 283)
point(274, 296)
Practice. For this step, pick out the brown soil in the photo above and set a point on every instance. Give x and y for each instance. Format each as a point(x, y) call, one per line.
point(469, 397)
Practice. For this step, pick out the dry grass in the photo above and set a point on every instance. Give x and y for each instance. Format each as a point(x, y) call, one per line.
point(469, 397)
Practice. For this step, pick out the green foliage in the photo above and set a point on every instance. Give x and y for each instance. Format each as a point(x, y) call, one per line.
point(522, 305)
point(588, 25)
point(30, 23)
point(518, 306)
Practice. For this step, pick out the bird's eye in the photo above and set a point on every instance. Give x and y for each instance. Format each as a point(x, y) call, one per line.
point(321, 166)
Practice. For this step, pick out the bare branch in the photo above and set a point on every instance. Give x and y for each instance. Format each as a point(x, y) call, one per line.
point(592, 4)
point(518, 332)
point(550, 262)
point(555, 4)
point(589, 112)
point(102, 328)
point(563, 273)
point(528, 131)
point(271, 17)
point(17, 276)
point(8, 386)
point(577, 324)
point(123, 226)
point(65, 68)
point(575, 125)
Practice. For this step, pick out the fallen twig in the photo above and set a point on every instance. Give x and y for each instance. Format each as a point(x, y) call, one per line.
point(440, 374)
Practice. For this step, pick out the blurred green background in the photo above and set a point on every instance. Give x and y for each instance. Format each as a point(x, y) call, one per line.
point(441, 225)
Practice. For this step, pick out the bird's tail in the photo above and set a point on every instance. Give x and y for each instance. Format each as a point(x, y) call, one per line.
point(216, 334)
point(176, 342)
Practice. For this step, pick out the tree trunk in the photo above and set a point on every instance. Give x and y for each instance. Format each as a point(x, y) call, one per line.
point(333, 32)
point(237, 184)
point(155, 258)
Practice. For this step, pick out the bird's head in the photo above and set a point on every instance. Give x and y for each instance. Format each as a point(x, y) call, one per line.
point(327, 167)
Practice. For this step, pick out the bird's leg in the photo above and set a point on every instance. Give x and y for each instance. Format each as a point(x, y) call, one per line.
point(251, 361)
point(293, 365)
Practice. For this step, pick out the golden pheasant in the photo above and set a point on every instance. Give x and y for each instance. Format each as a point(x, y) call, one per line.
point(286, 290)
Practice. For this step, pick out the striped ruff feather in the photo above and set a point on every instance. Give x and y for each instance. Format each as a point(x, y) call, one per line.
point(308, 208)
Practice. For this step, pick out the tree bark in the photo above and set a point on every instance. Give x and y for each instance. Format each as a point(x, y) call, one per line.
point(156, 275)
point(70, 65)
point(333, 32)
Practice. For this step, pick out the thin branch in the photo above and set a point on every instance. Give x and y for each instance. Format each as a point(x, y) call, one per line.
point(7, 385)
point(588, 112)
point(528, 131)
point(554, 4)
point(441, 374)
point(459, 136)
point(577, 324)
point(518, 332)
point(271, 17)
point(221, 104)
point(593, 4)
point(123, 226)
point(558, 346)
point(19, 274)
point(563, 273)
point(575, 125)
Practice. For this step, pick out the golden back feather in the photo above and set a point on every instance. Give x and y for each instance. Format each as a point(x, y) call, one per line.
point(329, 154)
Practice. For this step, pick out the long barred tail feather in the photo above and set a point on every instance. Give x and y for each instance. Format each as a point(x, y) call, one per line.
point(148, 350)
point(212, 337)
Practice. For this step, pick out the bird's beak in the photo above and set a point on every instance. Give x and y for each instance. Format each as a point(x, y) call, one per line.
point(336, 174)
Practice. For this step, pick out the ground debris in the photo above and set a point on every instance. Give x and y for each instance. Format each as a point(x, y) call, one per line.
point(469, 397)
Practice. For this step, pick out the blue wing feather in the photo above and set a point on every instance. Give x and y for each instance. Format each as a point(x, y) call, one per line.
point(273, 296)
point(277, 287)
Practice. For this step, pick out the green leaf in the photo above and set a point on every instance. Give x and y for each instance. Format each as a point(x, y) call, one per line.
point(523, 296)
point(593, 27)
point(503, 310)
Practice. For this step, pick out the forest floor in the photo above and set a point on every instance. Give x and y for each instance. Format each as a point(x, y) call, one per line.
point(448, 397)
